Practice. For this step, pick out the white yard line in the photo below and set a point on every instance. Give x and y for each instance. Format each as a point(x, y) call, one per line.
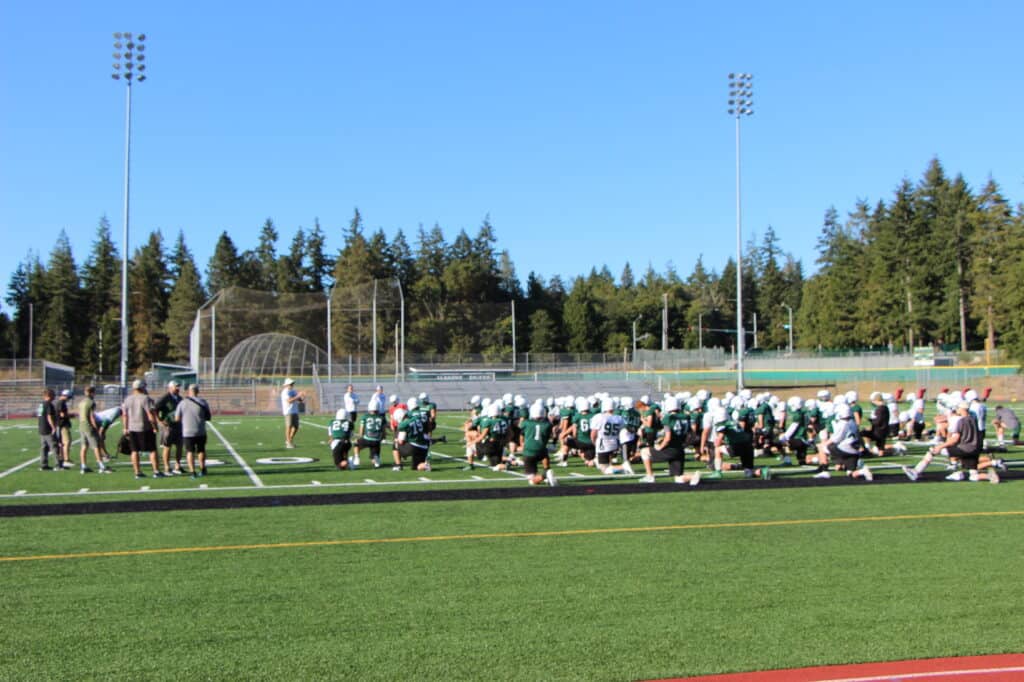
point(238, 458)
point(20, 467)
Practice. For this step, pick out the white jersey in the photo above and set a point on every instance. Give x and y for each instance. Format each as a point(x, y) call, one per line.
point(980, 413)
point(351, 402)
point(608, 426)
point(894, 412)
point(286, 406)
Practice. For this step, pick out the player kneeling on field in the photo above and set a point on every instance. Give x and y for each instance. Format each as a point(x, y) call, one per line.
point(671, 447)
point(534, 435)
point(411, 440)
point(845, 447)
point(341, 438)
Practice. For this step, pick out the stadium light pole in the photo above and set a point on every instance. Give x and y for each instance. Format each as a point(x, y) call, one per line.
point(664, 322)
point(128, 65)
point(741, 103)
point(790, 310)
point(638, 318)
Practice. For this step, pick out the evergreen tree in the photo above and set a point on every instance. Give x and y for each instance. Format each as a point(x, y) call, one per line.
point(543, 332)
point(266, 257)
point(225, 266)
point(291, 269)
point(62, 323)
point(148, 280)
point(185, 299)
point(319, 266)
point(994, 248)
point(101, 293)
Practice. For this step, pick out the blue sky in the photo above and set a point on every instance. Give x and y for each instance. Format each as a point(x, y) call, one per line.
point(591, 132)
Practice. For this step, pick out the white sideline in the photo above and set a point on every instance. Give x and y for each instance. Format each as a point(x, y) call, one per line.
point(256, 481)
point(19, 467)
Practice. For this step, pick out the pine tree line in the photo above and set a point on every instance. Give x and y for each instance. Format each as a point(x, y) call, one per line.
point(936, 264)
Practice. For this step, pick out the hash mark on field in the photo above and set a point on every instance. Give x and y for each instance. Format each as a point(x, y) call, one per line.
point(256, 481)
point(82, 491)
point(20, 492)
point(145, 487)
point(203, 486)
point(369, 480)
point(478, 478)
point(576, 474)
point(316, 483)
point(424, 479)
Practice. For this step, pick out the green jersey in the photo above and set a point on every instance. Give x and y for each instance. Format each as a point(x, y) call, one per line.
point(497, 428)
point(414, 432)
point(764, 410)
point(536, 434)
point(631, 419)
point(734, 434)
point(372, 425)
point(677, 425)
point(748, 417)
point(582, 422)
point(652, 413)
point(341, 429)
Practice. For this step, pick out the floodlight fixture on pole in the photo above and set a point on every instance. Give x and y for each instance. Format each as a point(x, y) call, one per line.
point(741, 103)
point(129, 64)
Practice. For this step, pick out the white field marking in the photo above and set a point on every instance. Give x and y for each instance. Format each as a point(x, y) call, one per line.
point(576, 474)
point(478, 478)
point(16, 426)
point(369, 480)
point(203, 486)
point(924, 676)
point(18, 493)
point(220, 423)
point(466, 461)
point(145, 487)
point(315, 483)
point(19, 467)
point(82, 491)
point(238, 458)
point(425, 479)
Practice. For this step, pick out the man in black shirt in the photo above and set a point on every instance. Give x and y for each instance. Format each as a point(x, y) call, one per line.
point(47, 414)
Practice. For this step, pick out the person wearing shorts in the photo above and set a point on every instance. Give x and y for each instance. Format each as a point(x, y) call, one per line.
point(89, 428)
point(535, 434)
point(845, 446)
point(412, 441)
point(170, 430)
point(670, 447)
point(964, 443)
point(291, 407)
point(1006, 420)
point(191, 415)
point(140, 423)
point(104, 420)
point(604, 434)
point(340, 431)
point(64, 426)
point(371, 431)
point(493, 436)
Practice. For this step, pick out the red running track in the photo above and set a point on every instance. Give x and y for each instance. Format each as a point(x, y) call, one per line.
point(1002, 668)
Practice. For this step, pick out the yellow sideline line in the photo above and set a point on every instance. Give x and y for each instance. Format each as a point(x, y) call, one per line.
point(493, 536)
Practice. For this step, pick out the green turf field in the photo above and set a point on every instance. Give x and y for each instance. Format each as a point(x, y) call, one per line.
point(597, 587)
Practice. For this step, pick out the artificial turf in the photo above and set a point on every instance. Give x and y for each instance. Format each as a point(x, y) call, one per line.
point(642, 603)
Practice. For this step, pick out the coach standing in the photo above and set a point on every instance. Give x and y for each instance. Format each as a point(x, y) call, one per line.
point(191, 416)
point(291, 406)
point(170, 430)
point(47, 414)
point(140, 424)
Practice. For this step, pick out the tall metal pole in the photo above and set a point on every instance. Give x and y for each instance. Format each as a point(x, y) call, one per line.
point(213, 343)
point(790, 310)
point(374, 332)
point(664, 322)
point(330, 363)
point(128, 65)
point(31, 334)
point(124, 235)
point(700, 332)
point(741, 104)
point(513, 335)
point(401, 296)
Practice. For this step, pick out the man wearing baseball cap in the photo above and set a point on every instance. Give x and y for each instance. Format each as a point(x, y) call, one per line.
point(139, 419)
point(291, 404)
point(170, 430)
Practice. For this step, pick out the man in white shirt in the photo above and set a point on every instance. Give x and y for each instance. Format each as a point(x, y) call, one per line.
point(351, 402)
point(291, 406)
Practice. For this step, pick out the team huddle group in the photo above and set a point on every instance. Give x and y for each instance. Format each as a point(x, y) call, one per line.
point(609, 433)
point(830, 433)
point(179, 420)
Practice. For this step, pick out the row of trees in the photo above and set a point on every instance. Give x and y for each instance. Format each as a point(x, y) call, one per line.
point(937, 263)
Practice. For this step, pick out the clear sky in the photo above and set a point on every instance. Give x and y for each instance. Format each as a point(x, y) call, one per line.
point(591, 132)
